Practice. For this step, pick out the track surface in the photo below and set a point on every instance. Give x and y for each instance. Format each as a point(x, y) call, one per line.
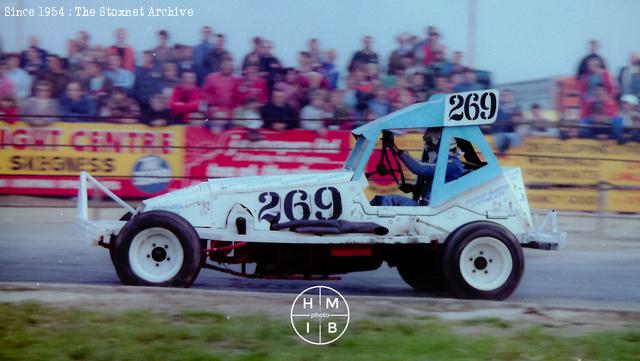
point(600, 267)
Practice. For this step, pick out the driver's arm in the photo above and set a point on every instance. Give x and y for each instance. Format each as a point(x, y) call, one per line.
point(418, 168)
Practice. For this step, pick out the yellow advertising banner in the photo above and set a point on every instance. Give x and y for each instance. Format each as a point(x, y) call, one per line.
point(576, 161)
point(571, 199)
point(102, 149)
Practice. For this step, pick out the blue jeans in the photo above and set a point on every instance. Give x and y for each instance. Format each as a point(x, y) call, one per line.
point(393, 200)
point(614, 132)
point(504, 141)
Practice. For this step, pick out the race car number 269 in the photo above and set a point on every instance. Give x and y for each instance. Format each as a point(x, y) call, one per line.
point(297, 205)
point(471, 108)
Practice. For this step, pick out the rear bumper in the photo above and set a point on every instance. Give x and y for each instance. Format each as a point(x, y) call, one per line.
point(545, 235)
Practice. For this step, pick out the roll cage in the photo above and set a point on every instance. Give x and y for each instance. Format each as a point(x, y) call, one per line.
point(430, 114)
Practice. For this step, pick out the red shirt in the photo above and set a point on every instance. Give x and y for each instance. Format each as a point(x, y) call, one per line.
point(128, 60)
point(220, 91)
point(256, 88)
point(185, 101)
point(6, 87)
point(429, 55)
point(609, 104)
point(9, 114)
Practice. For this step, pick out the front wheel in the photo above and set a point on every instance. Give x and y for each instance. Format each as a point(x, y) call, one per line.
point(482, 260)
point(157, 248)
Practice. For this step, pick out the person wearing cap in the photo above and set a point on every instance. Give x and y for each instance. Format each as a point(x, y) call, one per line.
point(626, 124)
point(455, 170)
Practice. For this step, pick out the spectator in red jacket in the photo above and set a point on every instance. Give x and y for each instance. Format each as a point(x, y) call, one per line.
point(603, 99)
point(290, 86)
point(220, 91)
point(186, 97)
point(431, 48)
point(425, 50)
point(596, 84)
point(8, 109)
point(401, 95)
point(252, 86)
point(6, 85)
point(125, 51)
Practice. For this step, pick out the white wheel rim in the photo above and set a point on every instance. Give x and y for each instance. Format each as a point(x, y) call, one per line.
point(485, 263)
point(156, 255)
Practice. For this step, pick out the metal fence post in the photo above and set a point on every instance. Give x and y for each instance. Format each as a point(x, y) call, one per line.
point(602, 206)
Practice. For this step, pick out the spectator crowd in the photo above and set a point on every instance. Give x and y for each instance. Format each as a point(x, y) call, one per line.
point(609, 107)
point(204, 84)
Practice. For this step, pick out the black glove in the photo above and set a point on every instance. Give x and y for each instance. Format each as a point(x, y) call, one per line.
point(387, 138)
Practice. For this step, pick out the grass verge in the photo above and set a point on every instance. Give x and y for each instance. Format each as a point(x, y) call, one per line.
point(34, 332)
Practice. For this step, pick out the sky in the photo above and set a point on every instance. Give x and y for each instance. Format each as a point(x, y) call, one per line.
point(517, 40)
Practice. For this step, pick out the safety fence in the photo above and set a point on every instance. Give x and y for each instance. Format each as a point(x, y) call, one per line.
point(137, 161)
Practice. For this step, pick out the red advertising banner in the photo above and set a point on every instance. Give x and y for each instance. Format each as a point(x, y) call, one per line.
point(232, 154)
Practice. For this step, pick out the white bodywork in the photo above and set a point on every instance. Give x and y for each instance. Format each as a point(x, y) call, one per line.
point(213, 206)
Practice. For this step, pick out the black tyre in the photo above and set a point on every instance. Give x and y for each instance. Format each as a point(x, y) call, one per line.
point(422, 270)
point(482, 260)
point(125, 217)
point(157, 248)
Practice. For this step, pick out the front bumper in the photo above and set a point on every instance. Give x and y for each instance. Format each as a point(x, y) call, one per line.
point(94, 231)
point(545, 235)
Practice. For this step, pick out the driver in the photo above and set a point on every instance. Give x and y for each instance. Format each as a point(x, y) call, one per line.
point(455, 169)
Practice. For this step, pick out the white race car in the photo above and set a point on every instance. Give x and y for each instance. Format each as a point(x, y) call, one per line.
point(465, 234)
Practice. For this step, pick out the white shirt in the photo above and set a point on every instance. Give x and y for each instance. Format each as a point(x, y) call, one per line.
point(21, 82)
point(311, 112)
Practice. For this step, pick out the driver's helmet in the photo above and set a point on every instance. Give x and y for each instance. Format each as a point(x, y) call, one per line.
point(432, 136)
point(453, 145)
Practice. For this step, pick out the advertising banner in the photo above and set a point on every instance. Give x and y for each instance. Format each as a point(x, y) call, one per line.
point(132, 160)
point(142, 161)
point(576, 161)
point(232, 154)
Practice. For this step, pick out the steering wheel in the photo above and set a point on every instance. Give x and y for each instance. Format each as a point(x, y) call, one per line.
point(390, 164)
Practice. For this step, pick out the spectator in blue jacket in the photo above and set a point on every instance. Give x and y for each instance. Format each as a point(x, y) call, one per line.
point(330, 70)
point(379, 105)
point(469, 82)
point(148, 81)
point(120, 77)
point(200, 53)
point(504, 130)
point(76, 105)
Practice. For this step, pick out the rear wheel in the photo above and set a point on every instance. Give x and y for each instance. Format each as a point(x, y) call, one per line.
point(157, 248)
point(482, 260)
